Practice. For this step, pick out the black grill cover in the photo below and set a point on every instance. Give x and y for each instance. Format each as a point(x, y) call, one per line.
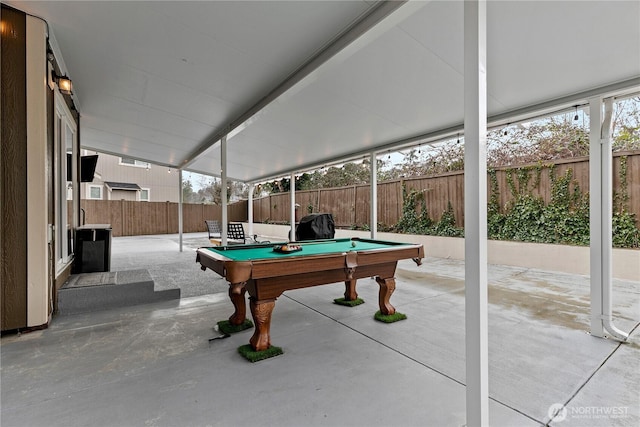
point(316, 226)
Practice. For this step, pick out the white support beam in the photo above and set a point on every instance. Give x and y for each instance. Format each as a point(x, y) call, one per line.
point(250, 209)
point(601, 215)
point(180, 203)
point(373, 214)
point(292, 202)
point(223, 188)
point(475, 213)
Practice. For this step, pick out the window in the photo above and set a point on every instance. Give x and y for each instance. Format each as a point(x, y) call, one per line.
point(145, 194)
point(126, 161)
point(94, 192)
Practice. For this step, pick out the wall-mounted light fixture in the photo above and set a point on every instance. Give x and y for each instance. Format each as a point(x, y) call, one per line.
point(63, 82)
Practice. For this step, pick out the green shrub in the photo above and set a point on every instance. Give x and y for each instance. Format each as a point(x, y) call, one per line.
point(447, 225)
point(625, 231)
point(524, 220)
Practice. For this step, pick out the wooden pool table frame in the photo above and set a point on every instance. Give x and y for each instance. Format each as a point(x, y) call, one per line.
point(266, 279)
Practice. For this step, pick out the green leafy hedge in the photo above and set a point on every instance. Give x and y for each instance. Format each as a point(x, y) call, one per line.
point(526, 218)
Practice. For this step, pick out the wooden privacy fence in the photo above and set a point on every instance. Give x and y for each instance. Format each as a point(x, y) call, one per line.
point(350, 205)
point(129, 218)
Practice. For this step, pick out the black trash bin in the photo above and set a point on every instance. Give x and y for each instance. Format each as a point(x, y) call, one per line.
point(316, 226)
point(93, 248)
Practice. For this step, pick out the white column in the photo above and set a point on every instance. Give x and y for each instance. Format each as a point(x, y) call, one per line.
point(373, 213)
point(292, 202)
point(38, 272)
point(180, 202)
point(475, 213)
point(223, 177)
point(600, 218)
point(250, 210)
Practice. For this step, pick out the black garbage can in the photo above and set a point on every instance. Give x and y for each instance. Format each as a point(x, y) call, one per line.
point(316, 226)
point(93, 248)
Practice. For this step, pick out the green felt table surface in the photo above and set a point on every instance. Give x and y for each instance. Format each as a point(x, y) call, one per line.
point(254, 252)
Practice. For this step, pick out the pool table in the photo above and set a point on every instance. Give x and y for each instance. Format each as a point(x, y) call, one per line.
point(265, 273)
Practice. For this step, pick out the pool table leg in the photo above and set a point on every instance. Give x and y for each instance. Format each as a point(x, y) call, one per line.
point(350, 293)
point(387, 286)
point(236, 294)
point(261, 312)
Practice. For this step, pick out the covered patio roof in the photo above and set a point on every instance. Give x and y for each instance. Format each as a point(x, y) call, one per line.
point(305, 83)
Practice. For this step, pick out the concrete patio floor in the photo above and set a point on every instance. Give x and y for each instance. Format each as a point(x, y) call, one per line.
point(152, 365)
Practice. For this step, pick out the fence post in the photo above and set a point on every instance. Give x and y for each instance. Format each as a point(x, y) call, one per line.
point(355, 206)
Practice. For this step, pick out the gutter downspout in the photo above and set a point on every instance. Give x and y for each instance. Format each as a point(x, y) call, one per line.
point(600, 205)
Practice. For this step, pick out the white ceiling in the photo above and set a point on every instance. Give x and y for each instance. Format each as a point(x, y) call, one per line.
point(162, 81)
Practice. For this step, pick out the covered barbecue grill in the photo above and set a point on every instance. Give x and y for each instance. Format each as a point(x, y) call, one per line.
point(316, 226)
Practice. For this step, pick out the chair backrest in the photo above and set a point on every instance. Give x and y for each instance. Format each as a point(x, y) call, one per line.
point(235, 231)
point(213, 228)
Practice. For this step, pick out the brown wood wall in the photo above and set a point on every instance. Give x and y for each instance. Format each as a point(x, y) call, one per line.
point(130, 218)
point(13, 162)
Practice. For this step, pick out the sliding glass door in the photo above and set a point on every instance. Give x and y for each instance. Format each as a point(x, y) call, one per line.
point(65, 173)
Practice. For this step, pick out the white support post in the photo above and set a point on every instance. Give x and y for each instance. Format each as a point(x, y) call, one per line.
point(292, 202)
point(373, 207)
point(475, 213)
point(601, 215)
point(223, 192)
point(250, 209)
point(180, 202)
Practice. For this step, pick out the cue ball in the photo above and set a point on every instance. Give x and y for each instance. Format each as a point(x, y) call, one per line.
point(353, 244)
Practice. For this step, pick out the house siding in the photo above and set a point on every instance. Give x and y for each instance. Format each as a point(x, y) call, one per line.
point(163, 186)
point(27, 175)
point(13, 158)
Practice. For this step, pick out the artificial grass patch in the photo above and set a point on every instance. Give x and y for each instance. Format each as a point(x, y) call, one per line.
point(253, 356)
point(389, 318)
point(226, 327)
point(348, 303)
